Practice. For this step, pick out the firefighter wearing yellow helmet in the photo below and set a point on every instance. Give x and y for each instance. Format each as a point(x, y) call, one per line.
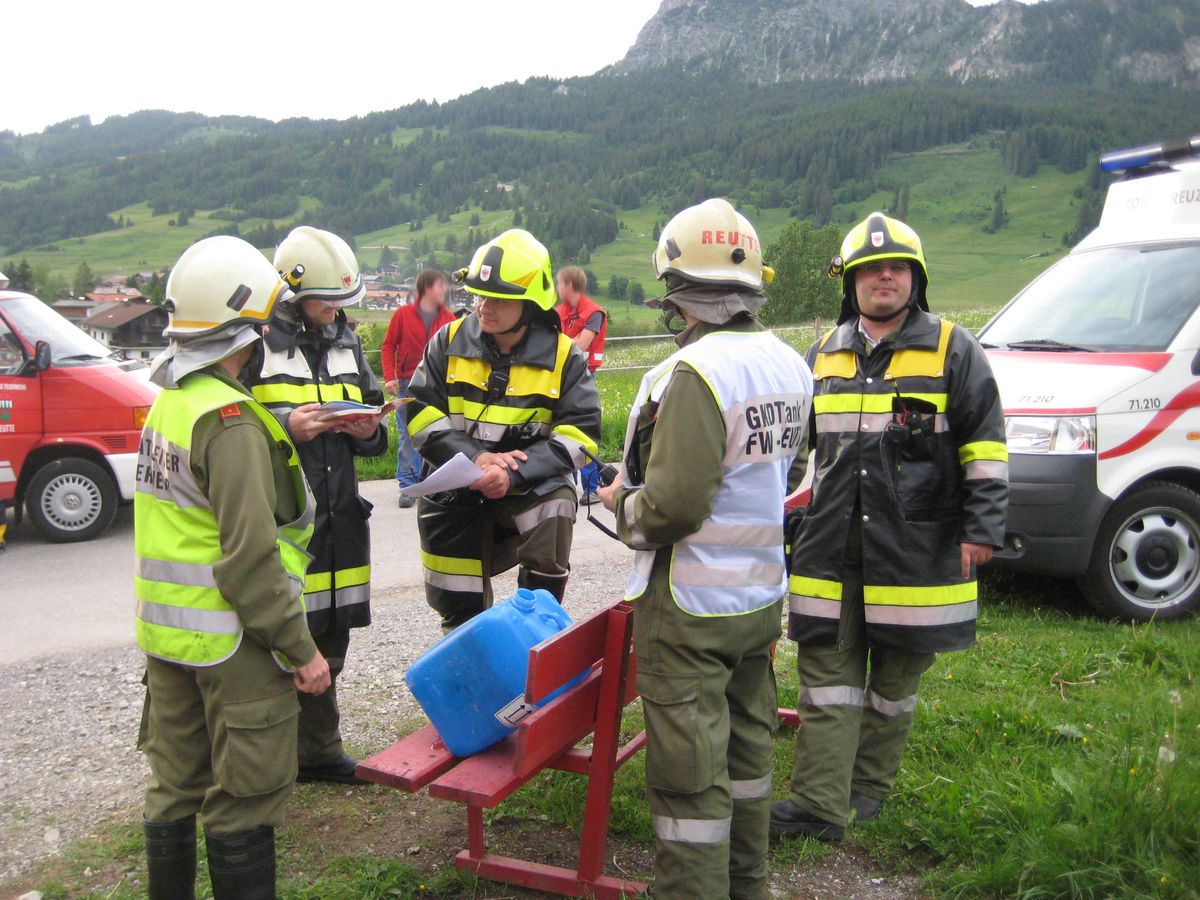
point(712, 439)
point(219, 613)
point(504, 387)
point(909, 497)
point(310, 357)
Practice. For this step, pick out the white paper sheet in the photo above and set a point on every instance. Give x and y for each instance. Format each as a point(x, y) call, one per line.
point(456, 472)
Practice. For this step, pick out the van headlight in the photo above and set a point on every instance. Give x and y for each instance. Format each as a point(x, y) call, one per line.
point(1050, 434)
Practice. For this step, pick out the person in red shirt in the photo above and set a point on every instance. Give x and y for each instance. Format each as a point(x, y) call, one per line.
point(403, 347)
point(584, 322)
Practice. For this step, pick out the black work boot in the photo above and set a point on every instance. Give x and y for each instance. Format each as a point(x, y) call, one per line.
point(789, 820)
point(171, 859)
point(555, 584)
point(865, 808)
point(339, 771)
point(241, 866)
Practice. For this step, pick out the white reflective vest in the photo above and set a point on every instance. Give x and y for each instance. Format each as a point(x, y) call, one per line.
point(735, 563)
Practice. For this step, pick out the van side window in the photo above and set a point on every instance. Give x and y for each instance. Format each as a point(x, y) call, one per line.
point(12, 355)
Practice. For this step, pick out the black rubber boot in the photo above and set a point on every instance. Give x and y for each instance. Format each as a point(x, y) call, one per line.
point(242, 865)
point(171, 859)
point(555, 584)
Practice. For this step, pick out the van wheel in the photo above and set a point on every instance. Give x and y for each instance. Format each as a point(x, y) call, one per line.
point(1146, 561)
point(71, 500)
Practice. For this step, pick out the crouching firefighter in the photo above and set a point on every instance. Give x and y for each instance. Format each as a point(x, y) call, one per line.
point(710, 449)
point(506, 388)
point(221, 517)
point(909, 496)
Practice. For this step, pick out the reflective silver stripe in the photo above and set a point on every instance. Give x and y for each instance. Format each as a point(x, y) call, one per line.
point(352, 594)
point(814, 606)
point(922, 615)
point(208, 621)
point(531, 518)
point(692, 831)
point(317, 600)
point(986, 468)
point(852, 421)
point(734, 535)
point(472, 584)
point(698, 575)
point(836, 695)
point(573, 448)
point(423, 435)
point(891, 707)
point(750, 788)
point(188, 574)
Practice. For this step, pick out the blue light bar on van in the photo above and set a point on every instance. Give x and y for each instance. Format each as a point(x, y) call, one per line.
point(1138, 157)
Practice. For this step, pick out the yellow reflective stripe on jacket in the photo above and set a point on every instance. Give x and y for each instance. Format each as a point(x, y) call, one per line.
point(342, 578)
point(870, 403)
point(839, 364)
point(912, 362)
point(571, 433)
point(452, 565)
point(424, 419)
point(993, 450)
point(912, 595)
point(497, 415)
point(815, 587)
point(299, 394)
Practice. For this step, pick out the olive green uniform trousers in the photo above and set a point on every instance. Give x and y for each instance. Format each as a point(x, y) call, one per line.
point(220, 740)
point(856, 708)
point(708, 693)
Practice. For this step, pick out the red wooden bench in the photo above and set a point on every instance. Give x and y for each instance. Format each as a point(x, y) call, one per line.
point(545, 739)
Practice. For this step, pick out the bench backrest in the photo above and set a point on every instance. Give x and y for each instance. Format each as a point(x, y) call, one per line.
point(570, 717)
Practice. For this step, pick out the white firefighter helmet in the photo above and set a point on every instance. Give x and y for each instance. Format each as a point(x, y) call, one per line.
point(319, 265)
point(711, 243)
point(218, 282)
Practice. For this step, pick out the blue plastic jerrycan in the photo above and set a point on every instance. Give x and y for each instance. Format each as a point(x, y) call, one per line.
point(471, 684)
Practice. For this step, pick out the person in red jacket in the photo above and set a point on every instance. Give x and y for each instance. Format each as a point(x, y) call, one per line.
point(409, 331)
point(586, 323)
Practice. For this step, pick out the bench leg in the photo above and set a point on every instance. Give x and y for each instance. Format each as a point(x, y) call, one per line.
point(476, 842)
point(548, 879)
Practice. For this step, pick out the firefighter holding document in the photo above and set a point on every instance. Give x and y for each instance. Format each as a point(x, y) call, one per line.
point(506, 388)
point(709, 452)
point(909, 496)
point(221, 518)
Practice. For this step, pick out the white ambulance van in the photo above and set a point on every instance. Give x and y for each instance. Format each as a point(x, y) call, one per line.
point(1098, 362)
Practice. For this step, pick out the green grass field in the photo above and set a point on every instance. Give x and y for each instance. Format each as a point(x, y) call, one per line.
point(951, 190)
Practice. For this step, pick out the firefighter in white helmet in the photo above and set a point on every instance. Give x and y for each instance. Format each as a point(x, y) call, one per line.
point(709, 454)
point(310, 356)
point(221, 517)
point(506, 388)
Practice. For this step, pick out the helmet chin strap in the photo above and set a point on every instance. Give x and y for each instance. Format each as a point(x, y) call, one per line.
point(526, 318)
point(881, 320)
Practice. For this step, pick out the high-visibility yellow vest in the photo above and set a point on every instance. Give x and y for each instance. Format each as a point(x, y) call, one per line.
point(181, 614)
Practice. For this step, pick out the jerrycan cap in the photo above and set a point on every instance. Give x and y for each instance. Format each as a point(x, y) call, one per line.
point(522, 600)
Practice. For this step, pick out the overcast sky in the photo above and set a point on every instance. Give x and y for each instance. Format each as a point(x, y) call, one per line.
point(304, 58)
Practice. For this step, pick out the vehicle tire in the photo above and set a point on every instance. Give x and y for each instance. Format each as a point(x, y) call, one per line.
point(71, 500)
point(1146, 559)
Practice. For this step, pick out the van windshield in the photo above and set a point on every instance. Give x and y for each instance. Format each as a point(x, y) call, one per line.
point(1111, 299)
point(34, 321)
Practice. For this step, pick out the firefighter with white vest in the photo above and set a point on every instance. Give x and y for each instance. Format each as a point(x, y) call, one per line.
point(309, 357)
point(507, 389)
point(909, 496)
point(221, 518)
point(710, 452)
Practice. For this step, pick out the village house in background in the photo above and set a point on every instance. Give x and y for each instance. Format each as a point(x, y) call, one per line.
point(134, 327)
